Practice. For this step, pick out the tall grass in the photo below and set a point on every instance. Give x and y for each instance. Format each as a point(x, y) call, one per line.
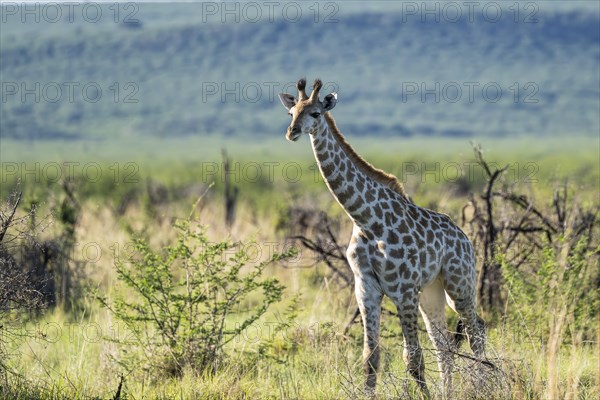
point(545, 346)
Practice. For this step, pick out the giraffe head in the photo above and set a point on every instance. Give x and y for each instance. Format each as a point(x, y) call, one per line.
point(307, 111)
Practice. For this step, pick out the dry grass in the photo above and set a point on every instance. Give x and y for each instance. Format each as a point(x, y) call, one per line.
point(318, 361)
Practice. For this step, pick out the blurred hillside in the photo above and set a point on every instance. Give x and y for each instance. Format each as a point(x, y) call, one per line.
point(174, 70)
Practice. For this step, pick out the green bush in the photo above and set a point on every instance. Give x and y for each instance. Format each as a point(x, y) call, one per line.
point(188, 300)
point(561, 292)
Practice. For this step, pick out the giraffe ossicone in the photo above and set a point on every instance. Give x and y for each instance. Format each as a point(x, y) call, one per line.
point(417, 257)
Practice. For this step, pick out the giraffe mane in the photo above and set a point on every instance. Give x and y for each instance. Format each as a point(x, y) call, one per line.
point(387, 180)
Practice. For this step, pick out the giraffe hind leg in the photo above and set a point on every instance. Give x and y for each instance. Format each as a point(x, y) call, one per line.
point(461, 298)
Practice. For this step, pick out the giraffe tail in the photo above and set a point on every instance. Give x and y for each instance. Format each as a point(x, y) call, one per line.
point(460, 333)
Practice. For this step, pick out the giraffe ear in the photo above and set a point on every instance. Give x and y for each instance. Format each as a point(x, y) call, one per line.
point(329, 101)
point(287, 100)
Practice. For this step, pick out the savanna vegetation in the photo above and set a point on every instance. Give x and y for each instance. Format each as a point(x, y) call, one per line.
point(180, 283)
point(138, 260)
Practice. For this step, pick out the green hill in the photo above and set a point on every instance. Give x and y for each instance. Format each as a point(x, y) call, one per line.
point(177, 71)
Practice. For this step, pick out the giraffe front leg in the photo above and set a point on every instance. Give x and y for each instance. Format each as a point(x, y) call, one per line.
point(369, 297)
point(413, 355)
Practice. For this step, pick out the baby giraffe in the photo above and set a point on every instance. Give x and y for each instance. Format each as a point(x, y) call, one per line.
point(417, 257)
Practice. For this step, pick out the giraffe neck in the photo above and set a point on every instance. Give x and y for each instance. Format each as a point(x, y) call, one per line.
point(360, 195)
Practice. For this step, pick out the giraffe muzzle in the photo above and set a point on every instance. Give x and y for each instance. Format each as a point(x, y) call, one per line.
point(293, 134)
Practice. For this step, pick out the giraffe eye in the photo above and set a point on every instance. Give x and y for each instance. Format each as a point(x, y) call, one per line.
point(315, 114)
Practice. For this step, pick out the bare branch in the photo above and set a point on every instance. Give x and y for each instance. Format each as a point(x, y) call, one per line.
point(6, 222)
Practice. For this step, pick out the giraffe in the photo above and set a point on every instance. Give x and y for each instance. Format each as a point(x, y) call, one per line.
point(417, 257)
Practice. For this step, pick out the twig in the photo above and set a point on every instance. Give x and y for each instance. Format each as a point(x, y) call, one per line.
point(6, 223)
point(118, 394)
